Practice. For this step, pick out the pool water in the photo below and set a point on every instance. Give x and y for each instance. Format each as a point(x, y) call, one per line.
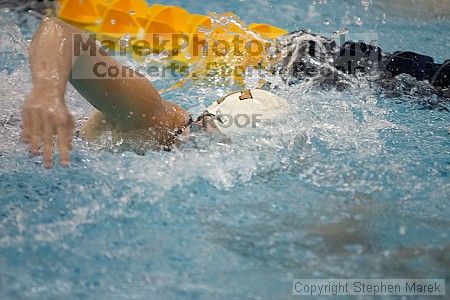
point(354, 184)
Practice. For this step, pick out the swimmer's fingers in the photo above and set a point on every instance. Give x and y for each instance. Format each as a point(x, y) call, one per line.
point(35, 130)
point(45, 115)
point(48, 143)
point(26, 125)
point(64, 133)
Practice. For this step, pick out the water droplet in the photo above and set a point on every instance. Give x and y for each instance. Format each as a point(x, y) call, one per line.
point(358, 21)
point(164, 54)
point(224, 21)
point(113, 21)
point(220, 92)
point(365, 4)
point(326, 22)
point(340, 32)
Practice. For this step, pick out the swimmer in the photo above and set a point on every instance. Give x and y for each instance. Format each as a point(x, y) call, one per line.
point(128, 105)
point(125, 103)
point(131, 104)
point(305, 56)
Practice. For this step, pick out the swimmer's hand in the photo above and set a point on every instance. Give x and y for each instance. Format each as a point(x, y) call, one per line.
point(44, 116)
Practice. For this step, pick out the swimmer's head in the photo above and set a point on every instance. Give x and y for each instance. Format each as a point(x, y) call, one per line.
point(242, 111)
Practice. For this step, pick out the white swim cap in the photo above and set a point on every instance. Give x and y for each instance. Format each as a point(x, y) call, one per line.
point(246, 110)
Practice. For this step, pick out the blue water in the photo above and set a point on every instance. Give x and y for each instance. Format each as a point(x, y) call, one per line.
point(355, 184)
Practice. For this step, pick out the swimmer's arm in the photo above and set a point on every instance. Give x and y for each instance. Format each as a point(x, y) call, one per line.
point(44, 113)
point(129, 103)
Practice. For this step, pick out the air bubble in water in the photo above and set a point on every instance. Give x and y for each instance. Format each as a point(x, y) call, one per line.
point(113, 21)
point(326, 22)
point(358, 21)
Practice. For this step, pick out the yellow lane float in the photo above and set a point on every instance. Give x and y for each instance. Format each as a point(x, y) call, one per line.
point(184, 32)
